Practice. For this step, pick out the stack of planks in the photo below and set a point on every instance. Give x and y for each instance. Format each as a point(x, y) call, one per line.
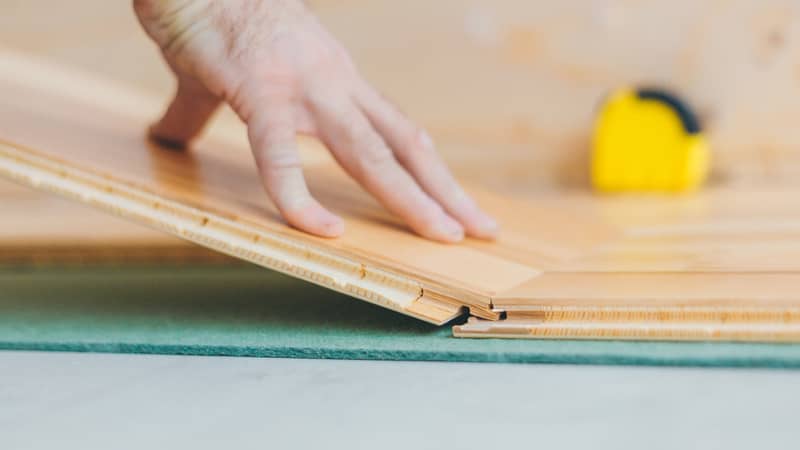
point(720, 265)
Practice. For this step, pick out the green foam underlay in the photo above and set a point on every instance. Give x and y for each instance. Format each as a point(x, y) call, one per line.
point(248, 311)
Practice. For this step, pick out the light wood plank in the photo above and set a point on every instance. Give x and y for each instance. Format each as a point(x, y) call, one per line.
point(631, 330)
point(42, 230)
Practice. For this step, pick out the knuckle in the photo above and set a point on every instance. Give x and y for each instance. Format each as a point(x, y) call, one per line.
point(281, 161)
point(413, 145)
point(248, 98)
point(333, 58)
point(258, 141)
point(260, 138)
point(273, 157)
point(358, 131)
point(376, 157)
point(415, 141)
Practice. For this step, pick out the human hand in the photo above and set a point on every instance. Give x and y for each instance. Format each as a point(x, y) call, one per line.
point(283, 73)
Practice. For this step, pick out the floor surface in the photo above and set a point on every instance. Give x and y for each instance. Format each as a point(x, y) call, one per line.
point(88, 401)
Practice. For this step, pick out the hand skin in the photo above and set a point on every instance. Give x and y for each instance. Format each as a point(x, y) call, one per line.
point(283, 73)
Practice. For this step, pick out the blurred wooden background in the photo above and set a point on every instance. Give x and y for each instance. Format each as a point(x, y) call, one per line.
point(509, 88)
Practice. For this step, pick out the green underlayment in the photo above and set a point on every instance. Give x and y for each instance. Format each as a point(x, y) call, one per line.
point(248, 311)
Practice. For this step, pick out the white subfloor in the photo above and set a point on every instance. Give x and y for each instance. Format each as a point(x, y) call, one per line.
point(102, 401)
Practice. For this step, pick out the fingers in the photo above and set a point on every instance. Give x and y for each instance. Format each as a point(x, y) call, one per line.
point(364, 155)
point(272, 137)
point(191, 108)
point(415, 151)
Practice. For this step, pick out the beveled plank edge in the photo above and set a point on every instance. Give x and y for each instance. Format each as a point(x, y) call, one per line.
point(663, 313)
point(624, 331)
point(224, 235)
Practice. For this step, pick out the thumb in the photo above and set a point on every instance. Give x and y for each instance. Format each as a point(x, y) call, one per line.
point(187, 115)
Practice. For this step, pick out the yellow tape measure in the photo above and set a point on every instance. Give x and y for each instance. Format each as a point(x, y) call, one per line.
point(647, 140)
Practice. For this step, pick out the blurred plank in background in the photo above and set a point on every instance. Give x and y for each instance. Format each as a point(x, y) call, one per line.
point(509, 88)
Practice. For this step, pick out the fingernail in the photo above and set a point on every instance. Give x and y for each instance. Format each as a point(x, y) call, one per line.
point(333, 225)
point(488, 224)
point(451, 229)
point(427, 140)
